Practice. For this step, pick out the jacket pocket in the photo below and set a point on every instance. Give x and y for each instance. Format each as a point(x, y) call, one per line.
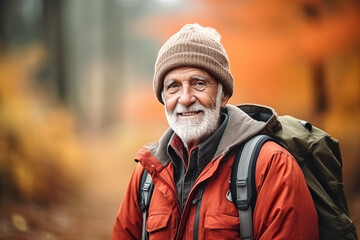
point(156, 226)
point(221, 226)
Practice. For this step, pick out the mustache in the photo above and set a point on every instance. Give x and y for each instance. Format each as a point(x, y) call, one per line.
point(195, 107)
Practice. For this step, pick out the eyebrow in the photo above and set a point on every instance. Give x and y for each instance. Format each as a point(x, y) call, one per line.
point(168, 82)
point(198, 77)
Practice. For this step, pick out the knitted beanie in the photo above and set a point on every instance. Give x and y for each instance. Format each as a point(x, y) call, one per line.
point(194, 46)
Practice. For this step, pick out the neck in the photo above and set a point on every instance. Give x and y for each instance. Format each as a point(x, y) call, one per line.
point(190, 144)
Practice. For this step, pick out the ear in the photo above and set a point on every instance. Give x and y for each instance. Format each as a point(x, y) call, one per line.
point(224, 100)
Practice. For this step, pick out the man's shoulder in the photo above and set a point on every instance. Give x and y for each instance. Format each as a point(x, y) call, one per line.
point(157, 150)
point(272, 153)
point(272, 147)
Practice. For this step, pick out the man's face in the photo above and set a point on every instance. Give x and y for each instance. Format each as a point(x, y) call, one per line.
point(192, 103)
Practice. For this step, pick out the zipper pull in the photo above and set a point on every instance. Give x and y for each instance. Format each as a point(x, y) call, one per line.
point(199, 196)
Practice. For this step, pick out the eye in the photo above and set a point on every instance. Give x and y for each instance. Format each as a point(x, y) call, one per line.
point(172, 87)
point(200, 85)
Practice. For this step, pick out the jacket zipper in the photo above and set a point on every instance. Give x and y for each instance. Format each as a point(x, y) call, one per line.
point(201, 187)
point(197, 201)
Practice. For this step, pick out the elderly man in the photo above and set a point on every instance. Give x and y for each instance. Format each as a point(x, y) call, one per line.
point(191, 164)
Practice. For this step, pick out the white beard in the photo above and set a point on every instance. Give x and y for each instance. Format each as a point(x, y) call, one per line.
point(197, 128)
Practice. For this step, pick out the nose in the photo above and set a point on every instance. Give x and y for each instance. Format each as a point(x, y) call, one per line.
point(186, 98)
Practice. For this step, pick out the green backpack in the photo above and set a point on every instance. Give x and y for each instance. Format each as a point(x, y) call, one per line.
point(318, 155)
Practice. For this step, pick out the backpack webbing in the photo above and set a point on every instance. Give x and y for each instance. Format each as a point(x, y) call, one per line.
point(243, 189)
point(146, 189)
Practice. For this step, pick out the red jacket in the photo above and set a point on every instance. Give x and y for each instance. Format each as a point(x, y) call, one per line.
point(284, 207)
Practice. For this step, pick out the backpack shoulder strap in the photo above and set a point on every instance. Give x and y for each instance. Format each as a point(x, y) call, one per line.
point(145, 193)
point(243, 187)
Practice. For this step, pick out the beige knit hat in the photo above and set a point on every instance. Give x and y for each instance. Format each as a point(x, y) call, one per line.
point(195, 46)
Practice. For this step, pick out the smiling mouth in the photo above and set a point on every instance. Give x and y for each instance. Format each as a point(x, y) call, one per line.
point(188, 114)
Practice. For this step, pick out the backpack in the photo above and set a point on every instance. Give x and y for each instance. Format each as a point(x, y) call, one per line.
point(318, 155)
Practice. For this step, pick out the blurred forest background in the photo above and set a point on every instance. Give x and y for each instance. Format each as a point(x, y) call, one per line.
point(76, 98)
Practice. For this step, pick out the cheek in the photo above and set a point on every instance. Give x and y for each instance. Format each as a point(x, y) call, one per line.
point(170, 103)
point(208, 99)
